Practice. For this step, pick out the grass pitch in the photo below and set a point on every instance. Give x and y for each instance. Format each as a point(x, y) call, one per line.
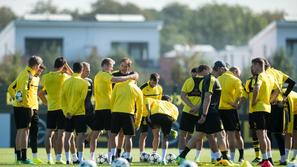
point(7, 157)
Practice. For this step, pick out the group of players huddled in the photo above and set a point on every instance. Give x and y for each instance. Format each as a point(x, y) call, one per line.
point(211, 96)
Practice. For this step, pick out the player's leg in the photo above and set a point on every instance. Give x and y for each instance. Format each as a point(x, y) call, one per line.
point(120, 143)
point(33, 137)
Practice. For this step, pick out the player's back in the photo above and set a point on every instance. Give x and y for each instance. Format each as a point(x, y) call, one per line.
point(52, 83)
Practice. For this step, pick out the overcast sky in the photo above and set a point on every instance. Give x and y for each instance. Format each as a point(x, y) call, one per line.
point(289, 6)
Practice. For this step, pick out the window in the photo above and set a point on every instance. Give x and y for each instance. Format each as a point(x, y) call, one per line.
point(38, 45)
point(137, 50)
point(291, 45)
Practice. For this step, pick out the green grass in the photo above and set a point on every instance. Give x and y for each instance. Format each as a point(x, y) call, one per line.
point(7, 156)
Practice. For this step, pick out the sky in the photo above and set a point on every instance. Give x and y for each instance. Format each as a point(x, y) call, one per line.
point(20, 7)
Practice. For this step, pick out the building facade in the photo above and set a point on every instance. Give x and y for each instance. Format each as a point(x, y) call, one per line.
point(277, 35)
point(76, 39)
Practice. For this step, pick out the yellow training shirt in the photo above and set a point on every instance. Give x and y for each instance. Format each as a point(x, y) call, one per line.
point(25, 87)
point(231, 90)
point(162, 107)
point(74, 93)
point(102, 90)
point(188, 87)
point(125, 96)
point(279, 77)
point(35, 84)
point(266, 84)
point(52, 83)
point(151, 92)
point(291, 107)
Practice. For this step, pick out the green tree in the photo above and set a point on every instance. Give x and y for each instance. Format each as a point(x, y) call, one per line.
point(95, 62)
point(46, 6)
point(10, 67)
point(113, 7)
point(6, 16)
point(280, 60)
point(49, 55)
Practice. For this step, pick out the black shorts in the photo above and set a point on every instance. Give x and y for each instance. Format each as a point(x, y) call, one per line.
point(22, 117)
point(123, 121)
point(259, 120)
point(90, 120)
point(279, 119)
point(295, 122)
point(212, 124)
point(144, 125)
point(230, 119)
point(102, 120)
point(162, 121)
point(55, 119)
point(77, 123)
point(188, 122)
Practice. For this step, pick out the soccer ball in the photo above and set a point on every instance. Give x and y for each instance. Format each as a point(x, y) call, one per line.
point(120, 162)
point(292, 164)
point(88, 163)
point(155, 158)
point(170, 158)
point(102, 158)
point(144, 157)
point(188, 163)
point(124, 155)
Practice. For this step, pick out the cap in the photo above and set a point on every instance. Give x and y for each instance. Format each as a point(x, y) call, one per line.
point(219, 64)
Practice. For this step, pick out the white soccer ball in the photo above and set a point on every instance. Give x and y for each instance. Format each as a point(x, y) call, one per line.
point(144, 157)
point(188, 163)
point(170, 158)
point(102, 159)
point(120, 162)
point(88, 163)
point(155, 158)
point(292, 164)
point(124, 155)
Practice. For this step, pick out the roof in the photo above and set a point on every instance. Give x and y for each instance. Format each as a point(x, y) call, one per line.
point(273, 26)
point(47, 23)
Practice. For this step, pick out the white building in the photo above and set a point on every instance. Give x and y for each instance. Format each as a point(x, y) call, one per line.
point(208, 52)
point(277, 35)
point(236, 56)
point(75, 39)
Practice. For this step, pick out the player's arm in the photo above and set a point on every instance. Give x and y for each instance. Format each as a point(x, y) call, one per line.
point(11, 89)
point(148, 107)
point(276, 91)
point(67, 69)
point(113, 95)
point(139, 109)
point(255, 94)
point(256, 89)
point(205, 107)
point(187, 101)
point(239, 94)
point(64, 101)
point(41, 95)
point(133, 76)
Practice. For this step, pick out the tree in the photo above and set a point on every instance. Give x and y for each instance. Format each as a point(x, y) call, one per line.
point(10, 67)
point(95, 62)
point(49, 55)
point(113, 7)
point(6, 16)
point(280, 60)
point(45, 7)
